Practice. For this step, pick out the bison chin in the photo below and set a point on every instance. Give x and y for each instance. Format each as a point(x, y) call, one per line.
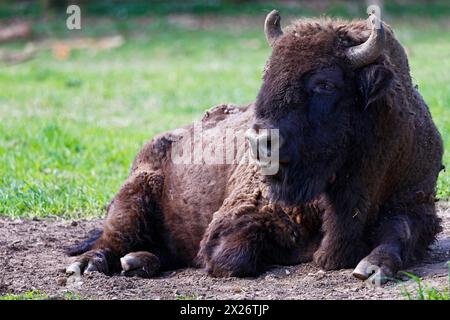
point(293, 186)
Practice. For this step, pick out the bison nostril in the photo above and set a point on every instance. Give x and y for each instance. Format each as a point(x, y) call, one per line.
point(251, 135)
point(265, 143)
point(280, 141)
point(256, 127)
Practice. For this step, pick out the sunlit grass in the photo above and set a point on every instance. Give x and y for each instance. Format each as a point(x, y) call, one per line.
point(424, 291)
point(70, 129)
point(39, 295)
point(29, 295)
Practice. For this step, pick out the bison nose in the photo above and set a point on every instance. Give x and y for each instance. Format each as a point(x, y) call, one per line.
point(263, 142)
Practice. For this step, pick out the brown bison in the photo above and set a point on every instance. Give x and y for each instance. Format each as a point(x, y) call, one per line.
point(358, 152)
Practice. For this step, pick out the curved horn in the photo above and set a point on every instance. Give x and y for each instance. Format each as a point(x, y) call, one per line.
point(272, 27)
point(370, 50)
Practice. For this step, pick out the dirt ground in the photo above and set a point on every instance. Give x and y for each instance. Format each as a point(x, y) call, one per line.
point(31, 258)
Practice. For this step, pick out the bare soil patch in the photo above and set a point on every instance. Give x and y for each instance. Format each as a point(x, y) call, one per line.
point(32, 258)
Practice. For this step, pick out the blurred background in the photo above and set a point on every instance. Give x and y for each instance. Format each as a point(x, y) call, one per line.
point(76, 105)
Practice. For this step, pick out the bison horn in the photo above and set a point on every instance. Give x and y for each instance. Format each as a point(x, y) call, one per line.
point(367, 52)
point(272, 27)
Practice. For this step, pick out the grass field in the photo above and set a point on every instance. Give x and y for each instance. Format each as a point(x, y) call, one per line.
point(70, 128)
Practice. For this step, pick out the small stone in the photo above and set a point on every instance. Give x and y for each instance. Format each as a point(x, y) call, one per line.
point(73, 224)
point(287, 272)
point(320, 272)
point(237, 290)
point(61, 281)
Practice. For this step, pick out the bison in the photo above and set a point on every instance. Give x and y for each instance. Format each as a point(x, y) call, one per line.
point(359, 156)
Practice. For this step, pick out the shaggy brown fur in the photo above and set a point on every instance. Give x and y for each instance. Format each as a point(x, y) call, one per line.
point(369, 188)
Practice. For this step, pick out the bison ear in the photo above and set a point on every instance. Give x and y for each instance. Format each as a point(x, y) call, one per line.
point(374, 82)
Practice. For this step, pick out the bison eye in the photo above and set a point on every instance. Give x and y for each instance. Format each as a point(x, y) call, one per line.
point(324, 88)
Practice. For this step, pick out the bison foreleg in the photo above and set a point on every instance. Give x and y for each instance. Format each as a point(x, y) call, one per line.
point(245, 245)
point(232, 246)
point(343, 244)
point(400, 237)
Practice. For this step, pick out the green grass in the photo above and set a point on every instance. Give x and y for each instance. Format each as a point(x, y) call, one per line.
point(186, 297)
point(132, 8)
point(424, 291)
point(70, 129)
point(29, 295)
point(39, 295)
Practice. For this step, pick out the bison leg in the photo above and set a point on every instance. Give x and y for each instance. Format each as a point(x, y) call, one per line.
point(343, 243)
point(399, 239)
point(245, 245)
point(93, 260)
point(232, 247)
point(141, 264)
point(132, 223)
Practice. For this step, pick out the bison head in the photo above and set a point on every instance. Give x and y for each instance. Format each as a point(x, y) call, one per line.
point(322, 86)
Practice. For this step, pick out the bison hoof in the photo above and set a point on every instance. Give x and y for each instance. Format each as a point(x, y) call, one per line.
point(140, 264)
point(363, 270)
point(371, 273)
point(74, 269)
point(91, 261)
point(379, 267)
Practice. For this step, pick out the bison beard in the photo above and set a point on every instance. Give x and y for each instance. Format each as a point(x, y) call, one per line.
point(357, 178)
